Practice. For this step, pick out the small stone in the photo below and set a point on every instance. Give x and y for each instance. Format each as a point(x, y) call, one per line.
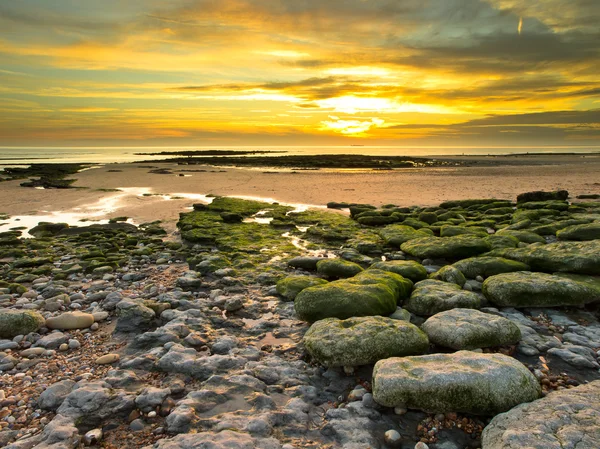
point(64, 347)
point(393, 438)
point(421, 445)
point(92, 437)
point(107, 359)
point(94, 327)
point(400, 410)
point(70, 320)
point(136, 425)
point(74, 344)
point(152, 414)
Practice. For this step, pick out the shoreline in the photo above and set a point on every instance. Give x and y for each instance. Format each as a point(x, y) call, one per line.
point(410, 186)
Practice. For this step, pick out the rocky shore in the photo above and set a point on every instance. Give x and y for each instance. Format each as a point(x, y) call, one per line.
point(472, 324)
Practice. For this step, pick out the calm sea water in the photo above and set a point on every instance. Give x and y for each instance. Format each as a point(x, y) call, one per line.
point(10, 156)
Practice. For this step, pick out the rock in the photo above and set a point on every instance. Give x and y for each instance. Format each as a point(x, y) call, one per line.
point(338, 268)
point(107, 359)
point(396, 235)
point(569, 257)
point(290, 286)
point(52, 341)
point(466, 382)
point(522, 236)
point(92, 437)
point(137, 425)
point(134, 316)
point(430, 297)
point(451, 231)
point(304, 262)
point(13, 322)
point(53, 396)
point(538, 195)
point(70, 320)
point(362, 340)
point(449, 274)
point(393, 438)
point(457, 247)
point(487, 266)
point(565, 418)
point(400, 314)
point(526, 289)
point(406, 268)
point(580, 232)
point(226, 439)
point(470, 329)
point(371, 292)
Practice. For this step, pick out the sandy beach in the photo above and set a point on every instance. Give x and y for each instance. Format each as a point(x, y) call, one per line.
point(148, 197)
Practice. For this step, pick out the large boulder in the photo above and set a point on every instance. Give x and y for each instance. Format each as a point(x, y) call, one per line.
point(338, 268)
point(569, 257)
point(580, 232)
point(369, 293)
point(487, 266)
point(134, 316)
point(470, 329)
point(526, 289)
point(431, 296)
point(457, 247)
point(468, 382)
point(290, 286)
point(538, 195)
point(406, 268)
point(19, 322)
point(563, 419)
point(396, 235)
point(523, 236)
point(363, 340)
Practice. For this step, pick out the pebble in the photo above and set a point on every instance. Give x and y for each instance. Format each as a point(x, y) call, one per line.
point(74, 344)
point(392, 438)
point(421, 445)
point(92, 437)
point(136, 425)
point(107, 359)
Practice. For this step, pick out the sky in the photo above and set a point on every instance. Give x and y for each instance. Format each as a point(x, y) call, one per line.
point(300, 72)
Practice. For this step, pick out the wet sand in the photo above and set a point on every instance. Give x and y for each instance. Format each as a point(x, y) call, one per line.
point(500, 177)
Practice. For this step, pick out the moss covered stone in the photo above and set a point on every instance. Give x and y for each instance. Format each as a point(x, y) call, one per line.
point(290, 286)
point(470, 329)
point(502, 241)
point(338, 268)
point(369, 293)
point(457, 247)
point(523, 236)
point(467, 382)
point(580, 232)
point(486, 266)
point(431, 296)
point(396, 235)
point(363, 340)
point(13, 322)
point(407, 268)
point(526, 289)
point(449, 274)
point(570, 257)
point(451, 231)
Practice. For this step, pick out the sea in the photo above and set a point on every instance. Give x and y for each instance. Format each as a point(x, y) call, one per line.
point(20, 156)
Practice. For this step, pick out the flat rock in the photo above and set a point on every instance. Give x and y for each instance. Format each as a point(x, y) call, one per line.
point(487, 266)
point(580, 232)
point(526, 289)
point(470, 329)
point(409, 269)
point(290, 286)
point(371, 292)
point(431, 296)
point(457, 247)
point(70, 320)
point(565, 419)
point(468, 382)
point(363, 340)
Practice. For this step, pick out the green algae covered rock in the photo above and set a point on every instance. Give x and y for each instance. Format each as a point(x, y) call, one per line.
point(290, 286)
point(396, 235)
point(19, 322)
point(457, 247)
point(338, 268)
point(539, 195)
point(569, 257)
point(449, 274)
point(502, 241)
point(363, 340)
point(466, 382)
point(406, 268)
point(369, 293)
point(431, 296)
point(451, 231)
point(580, 232)
point(487, 266)
point(523, 236)
point(526, 289)
point(470, 329)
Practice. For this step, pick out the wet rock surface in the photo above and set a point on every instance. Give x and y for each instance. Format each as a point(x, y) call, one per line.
point(201, 339)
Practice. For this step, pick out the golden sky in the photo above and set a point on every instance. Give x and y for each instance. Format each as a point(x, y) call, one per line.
point(300, 72)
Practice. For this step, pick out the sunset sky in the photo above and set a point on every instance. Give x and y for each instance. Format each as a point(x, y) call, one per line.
point(300, 72)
